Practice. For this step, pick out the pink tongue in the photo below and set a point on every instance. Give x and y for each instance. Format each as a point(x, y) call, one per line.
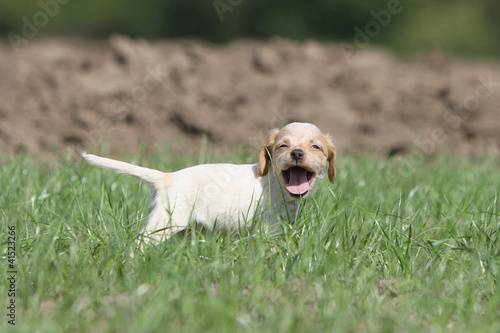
point(298, 183)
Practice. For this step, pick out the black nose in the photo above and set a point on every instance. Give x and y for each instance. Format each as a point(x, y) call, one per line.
point(297, 154)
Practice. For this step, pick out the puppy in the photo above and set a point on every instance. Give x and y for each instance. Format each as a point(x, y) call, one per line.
point(233, 197)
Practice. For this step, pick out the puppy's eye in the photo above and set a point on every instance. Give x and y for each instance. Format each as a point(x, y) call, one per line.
point(283, 146)
point(315, 147)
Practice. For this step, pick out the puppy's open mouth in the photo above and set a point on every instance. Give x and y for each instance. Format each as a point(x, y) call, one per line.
point(298, 181)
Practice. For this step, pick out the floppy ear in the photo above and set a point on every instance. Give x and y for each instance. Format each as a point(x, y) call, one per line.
point(266, 152)
point(332, 152)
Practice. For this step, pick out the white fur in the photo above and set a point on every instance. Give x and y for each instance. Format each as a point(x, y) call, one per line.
point(219, 196)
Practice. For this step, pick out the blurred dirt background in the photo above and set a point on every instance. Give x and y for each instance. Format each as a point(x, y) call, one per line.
point(65, 95)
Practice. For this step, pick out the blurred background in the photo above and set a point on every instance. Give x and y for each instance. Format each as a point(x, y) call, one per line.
point(461, 27)
point(380, 75)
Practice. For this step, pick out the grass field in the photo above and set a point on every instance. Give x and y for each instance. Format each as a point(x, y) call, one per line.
point(388, 248)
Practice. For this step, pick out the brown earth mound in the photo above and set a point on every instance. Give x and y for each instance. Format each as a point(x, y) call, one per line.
point(59, 94)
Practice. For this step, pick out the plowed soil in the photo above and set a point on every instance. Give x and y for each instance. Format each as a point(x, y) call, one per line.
point(59, 95)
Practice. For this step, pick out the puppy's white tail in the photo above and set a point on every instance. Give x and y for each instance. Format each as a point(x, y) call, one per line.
point(154, 177)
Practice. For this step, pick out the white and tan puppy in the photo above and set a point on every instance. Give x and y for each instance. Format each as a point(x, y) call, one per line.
point(232, 197)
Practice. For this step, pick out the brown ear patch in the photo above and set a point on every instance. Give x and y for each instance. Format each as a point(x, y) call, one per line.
point(332, 152)
point(266, 153)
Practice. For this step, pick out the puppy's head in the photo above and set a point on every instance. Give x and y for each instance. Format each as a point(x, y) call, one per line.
point(299, 155)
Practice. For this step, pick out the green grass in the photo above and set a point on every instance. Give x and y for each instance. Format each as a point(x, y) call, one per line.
point(433, 231)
